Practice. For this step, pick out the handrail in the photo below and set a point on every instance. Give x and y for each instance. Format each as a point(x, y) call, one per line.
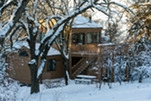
point(82, 67)
point(76, 66)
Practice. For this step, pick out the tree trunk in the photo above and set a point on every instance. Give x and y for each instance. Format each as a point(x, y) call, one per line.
point(140, 77)
point(34, 79)
point(66, 78)
point(66, 65)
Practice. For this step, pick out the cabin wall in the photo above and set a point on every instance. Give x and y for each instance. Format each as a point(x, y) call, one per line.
point(58, 73)
point(18, 68)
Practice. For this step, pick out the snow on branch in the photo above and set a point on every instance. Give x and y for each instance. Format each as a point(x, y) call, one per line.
point(29, 17)
point(66, 6)
point(60, 29)
point(41, 68)
point(144, 4)
point(127, 9)
point(33, 61)
point(14, 19)
point(35, 13)
point(100, 9)
point(51, 40)
point(52, 34)
point(9, 2)
point(25, 26)
point(14, 32)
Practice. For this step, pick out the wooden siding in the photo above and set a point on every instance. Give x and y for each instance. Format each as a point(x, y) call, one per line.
point(58, 73)
point(18, 68)
point(84, 50)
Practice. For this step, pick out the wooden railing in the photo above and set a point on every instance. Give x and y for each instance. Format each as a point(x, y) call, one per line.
point(78, 64)
point(83, 64)
point(95, 49)
point(84, 49)
point(102, 51)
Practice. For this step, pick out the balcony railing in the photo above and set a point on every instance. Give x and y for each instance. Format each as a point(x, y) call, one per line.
point(95, 49)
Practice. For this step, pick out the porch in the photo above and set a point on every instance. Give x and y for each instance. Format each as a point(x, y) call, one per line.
point(84, 58)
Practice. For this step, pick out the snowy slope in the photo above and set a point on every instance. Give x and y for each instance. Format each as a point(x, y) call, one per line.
point(82, 92)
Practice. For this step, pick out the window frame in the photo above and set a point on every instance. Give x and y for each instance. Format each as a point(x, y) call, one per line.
point(51, 64)
point(93, 37)
point(23, 53)
point(80, 38)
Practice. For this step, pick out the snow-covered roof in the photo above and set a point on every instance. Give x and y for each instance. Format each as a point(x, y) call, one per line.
point(82, 22)
point(20, 44)
point(106, 44)
point(53, 51)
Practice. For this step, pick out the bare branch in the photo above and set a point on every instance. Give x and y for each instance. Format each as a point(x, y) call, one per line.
point(127, 9)
point(13, 33)
point(15, 17)
point(3, 5)
point(53, 33)
point(101, 10)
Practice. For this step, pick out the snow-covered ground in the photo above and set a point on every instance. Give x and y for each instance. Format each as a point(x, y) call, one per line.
point(82, 92)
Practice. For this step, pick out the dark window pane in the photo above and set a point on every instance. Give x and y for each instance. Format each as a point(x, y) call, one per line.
point(23, 53)
point(75, 38)
point(51, 65)
point(78, 38)
point(82, 38)
point(89, 37)
point(96, 37)
point(93, 37)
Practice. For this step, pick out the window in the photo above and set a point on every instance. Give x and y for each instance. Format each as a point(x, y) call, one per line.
point(96, 37)
point(51, 65)
point(78, 38)
point(89, 37)
point(93, 37)
point(23, 53)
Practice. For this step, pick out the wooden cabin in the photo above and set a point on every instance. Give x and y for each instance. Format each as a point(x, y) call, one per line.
point(18, 64)
point(87, 52)
point(86, 48)
point(84, 40)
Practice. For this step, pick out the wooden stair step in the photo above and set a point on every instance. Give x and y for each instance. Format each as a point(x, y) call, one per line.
point(85, 63)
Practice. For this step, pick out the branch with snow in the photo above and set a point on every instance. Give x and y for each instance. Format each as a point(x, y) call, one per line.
point(5, 5)
point(15, 30)
point(53, 33)
point(127, 9)
point(14, 19)
point(41, 68)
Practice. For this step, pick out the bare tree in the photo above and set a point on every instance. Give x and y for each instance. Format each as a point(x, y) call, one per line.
point(30, 24)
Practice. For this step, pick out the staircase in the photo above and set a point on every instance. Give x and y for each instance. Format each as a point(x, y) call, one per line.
point(80, 66)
